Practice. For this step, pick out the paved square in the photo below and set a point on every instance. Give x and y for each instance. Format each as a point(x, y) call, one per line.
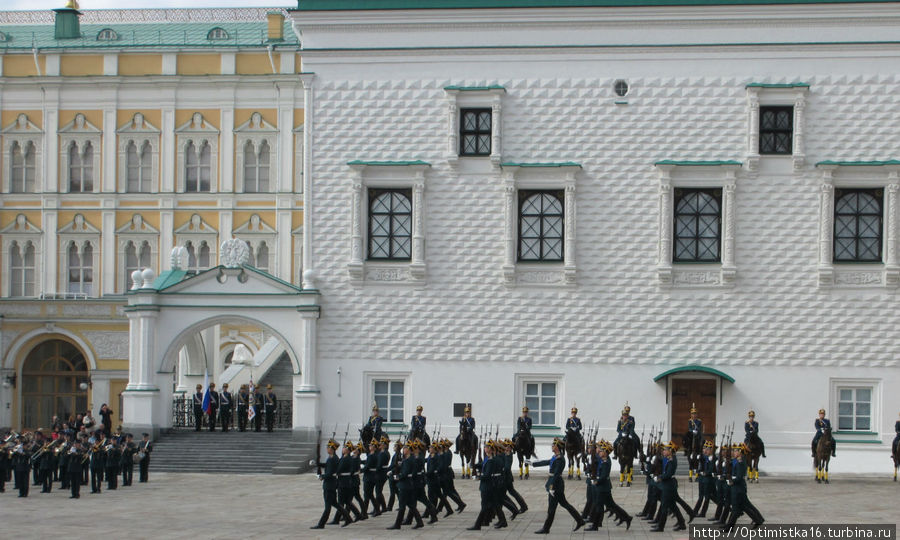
point(178, 505)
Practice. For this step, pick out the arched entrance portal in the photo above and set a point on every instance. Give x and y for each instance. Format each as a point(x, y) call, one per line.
point(52, 375)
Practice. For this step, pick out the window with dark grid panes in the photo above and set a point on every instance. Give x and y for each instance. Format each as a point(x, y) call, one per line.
point(475, 132)
point(776, 130)
point(698, 225)
point(390, 224)
point(541, 225)
point(857, 225)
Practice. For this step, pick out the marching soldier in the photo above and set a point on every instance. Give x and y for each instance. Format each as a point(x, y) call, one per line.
point(487, 487)
point(243, 399)
point(821, 425)
point(404, 479)
point(213, 406)
point(419, 494)
point(417, 425)
point(556, 489)
point(144, 449)
point(602, 490)
point(97, 462)
point(225, 404)
point(258, 400)
point(445, 476)
point(375, 420)
point(393, 470)
point(739, 501)
point(751, 429)
point(197, 402)
point(508, 488)
point(329, 488)
point(668, 487)
point(357, 466)
point(271, 407)
point(129, 449)
point(384, 467)
point(694, 433)
point(705, 479)
point(436, 497)
point(370, 479)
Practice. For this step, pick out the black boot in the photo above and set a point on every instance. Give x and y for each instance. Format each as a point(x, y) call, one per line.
point(399, 520)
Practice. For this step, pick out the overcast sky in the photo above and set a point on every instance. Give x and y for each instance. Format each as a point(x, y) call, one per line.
point(106, 4)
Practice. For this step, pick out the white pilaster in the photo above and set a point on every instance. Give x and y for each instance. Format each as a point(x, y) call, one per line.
point(284, 241)
point(227, 65)
point(286, 145)
point(510, 217)
point(226, 156)
point(49, 224)
point(108, 252)
point(569, 224)
point(169, 63)
point(417, 262)
point(166, 237)
point(111, 64)
point(308, 128)
point(108, 173)
point(826, 221)
point(666, 196)
point(167, 152)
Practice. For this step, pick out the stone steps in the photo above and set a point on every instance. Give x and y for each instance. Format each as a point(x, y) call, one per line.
point(233, 452)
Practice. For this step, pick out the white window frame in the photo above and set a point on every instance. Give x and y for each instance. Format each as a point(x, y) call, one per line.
point(138, 131)
point(196, 231)
point(79, 231)
point(538, 176)
point(713, 174)
point(763, 94)
point(21, 231)
point(80, 132)
point(392, 175)
point(255, 131)
point(136, 231)
point(256, 232)
point(875, 385)
point(197, 130)
point(473, 97)
point(370, 377)
point(859, 175)
point(522, 379)
point(22, 131)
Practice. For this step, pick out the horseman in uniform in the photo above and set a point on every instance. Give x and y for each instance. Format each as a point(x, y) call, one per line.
point(375, 421)
point(695, 426)
point(466, 423)
point(821, 425)
point(524, 426)
point(625, 428)
point(751, 428)
point(417, 425)
point(573, 423)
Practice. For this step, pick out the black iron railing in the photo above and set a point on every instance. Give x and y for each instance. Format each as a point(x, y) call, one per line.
point(183, 414)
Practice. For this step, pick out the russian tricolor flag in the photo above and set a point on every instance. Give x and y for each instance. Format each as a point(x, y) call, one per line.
point(207, 401)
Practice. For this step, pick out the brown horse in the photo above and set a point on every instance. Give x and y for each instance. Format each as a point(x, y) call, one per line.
point(823, 455)
point(895, 455)
point(574, 451)
point(755, 445)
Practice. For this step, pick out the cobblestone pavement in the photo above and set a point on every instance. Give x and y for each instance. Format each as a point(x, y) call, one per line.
point(177, 505)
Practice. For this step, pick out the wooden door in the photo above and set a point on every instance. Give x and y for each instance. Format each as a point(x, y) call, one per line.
point(700, 393)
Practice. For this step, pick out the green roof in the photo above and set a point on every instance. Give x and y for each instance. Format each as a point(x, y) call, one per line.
point(147, 35)
point(168, 278)
point(376, 5)
point(698, 163)
point(860, 163)
point(695, 368)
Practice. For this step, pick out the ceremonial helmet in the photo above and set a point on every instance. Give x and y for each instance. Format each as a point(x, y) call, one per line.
point(821, 411)
point(751, 414)
point(333, 444)
point(559, 443)
point(385, 439)
point(525, 409)
point(671, 446)
point(574, 410)
point(374, 406)
point(225, 385)
point(467, 409)
point(419, 408)
point(268, 387)
point(709, 444)
point(605, 445)
point(360, 447)
point(693, 408)
point(349, 445)
point(627, 409)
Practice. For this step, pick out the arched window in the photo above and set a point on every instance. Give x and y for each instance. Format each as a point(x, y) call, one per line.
point(192, 256)
point(197, 167)
point(107, 34)
point(81, 168)
point(203, 257)
point(22, 167)
point(135, 260)
point(51, 383)
point(80, 269)
point(390, 224)
point(540, 225)
point(21, 269)
point(262, 257)
point(698, 225)
point(858, 225)
point(256, 168)
point(217, 34)
point(138, 167)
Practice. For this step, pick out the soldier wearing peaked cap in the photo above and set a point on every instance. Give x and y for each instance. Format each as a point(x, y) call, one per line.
point(197, 402)
point(225, 407)
point(751, 430)
point(243, 404)
point(821, 425)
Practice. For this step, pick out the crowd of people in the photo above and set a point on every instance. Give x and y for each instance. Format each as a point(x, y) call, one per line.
point(217, 408)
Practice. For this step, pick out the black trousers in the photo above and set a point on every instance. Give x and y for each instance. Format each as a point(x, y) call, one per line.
point(379, 493)
point(75, 483)
point(705, 493)
point(127, 473)
point(242, 418)
point(270, 420)
point(741, 504)
point(330, 496)
point(392, 486)
point(257, 420)
point(22, 481)
point(198, 418)
point(449, 489)
point(558, 498)
point(144, 467)
point(96, 480)
point(84, 476)
point(212, 419)
point(407, 502)
point(225, 418)
point(112, 477)
point(369, 496)
point(64, 477)
point(47, 480)
point(3, 473)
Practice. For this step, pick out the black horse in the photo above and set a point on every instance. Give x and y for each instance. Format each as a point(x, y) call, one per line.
point(366, 434)
point(467, 448)
point(524, 448)
point(574, 451)
point(693, 448)
point(420, 435)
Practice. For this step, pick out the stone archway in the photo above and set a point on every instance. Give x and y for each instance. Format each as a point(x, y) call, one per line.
point(52, 377)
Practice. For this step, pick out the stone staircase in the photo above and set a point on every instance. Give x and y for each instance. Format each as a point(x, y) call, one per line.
point(233, 452)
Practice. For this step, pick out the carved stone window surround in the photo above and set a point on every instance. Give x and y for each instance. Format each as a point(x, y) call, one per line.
point(884, 175)
point(79, 231)
point(255, 131)
point(24, 132)
point(792, 94)
point(197, 130)
point(466, 97)
point(136, 231)
point(696, 174)
point(79, 132)
point(196, 231)
point(538, 176)
point(22, 232)
point(386, 174)
point(138, 131)
point(256, 232)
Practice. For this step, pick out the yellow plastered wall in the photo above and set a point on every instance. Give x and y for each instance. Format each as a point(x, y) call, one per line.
point(198, 64)
point(299, 117)
point(116, 387)
point(211, 217)
point(150, 217)
point(255, 63)
point(140, 64)
point(8, 117)
point(92, 217)
point(123, 116)
point(296, 219)
point(9, 216)
point(298, 64)
point(213, 116)
point(94, 117)
point(22, 65)
point(242, 115)
point(243, 217)
point(79, 65)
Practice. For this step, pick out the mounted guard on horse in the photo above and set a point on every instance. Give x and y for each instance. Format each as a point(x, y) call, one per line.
point(693, 443)
point(574, 442)
point(755, 445)
point(372, 428)
point(417, 429)
point(625, 428)
point(467, 442)
point(523, 441)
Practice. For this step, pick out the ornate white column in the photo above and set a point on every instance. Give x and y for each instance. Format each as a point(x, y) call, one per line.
point(308, 127)
point(226, 156)
point(569, 224)
point(510, 216)
point(50, 247)
point(108, 250)
point(753, 129)
point(666, 195)
point(729, 270)
point(167, 151)
point(826, 227)
point(417, 264)
point(109, 150)
point(356, 248)
point(452, 127)
point(306, 389)
point(799, 156)
point(892, 265)
point(495, 130)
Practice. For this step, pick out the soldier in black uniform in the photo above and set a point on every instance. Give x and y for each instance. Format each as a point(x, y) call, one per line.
point(739, 501)
point(36, 444)
point(393, 470)
point(751, 428)
point(144, 449)
point(113, 462)
point(21, 463)
point(433, 464)
point(197, 402)
point(213, 406)
point(97, 462)
point(345, 482)
point(62, 459)
point(74, 464)
point(375, 421)
point(370, 479)
point(556, 488)
point(896, 437)
point(129, 449)
point(602, 489)
point(243, 399)
point(417, 449)
point(225, 405)
point(508, 489)
point(329, 487)
point(668, 487)
point(47, 464)
point(405, 489)
point(445, 475)
point(487, 487)
point(705, 479)
point(821, 424)
point(4, 466)
point(384, 463)
point(271, 405)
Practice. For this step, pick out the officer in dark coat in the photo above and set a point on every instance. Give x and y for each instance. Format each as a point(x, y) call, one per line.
point(97, 462)
point(896, 437)
point(345, 480)
point(375, 420)
point(370, 479)
point(821, 425)
point(417, 426)
point(74, 464)
point(197, 402)
point(113, 462)
point(556, 489)
point(625, 428)
point(243, 403)
point(487, 486)
point(213, 406)
point(271, 405)
point(129, 449)
point(145, 447)
point(226, 403)
point(329, 488)
point(21, 464)
point(751, 429)
point(405, 489)
point(259, 399)
point(445, 476)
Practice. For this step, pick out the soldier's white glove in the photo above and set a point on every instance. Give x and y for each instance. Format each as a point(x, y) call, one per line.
point(594, 482)
point(656, 478)
point(319, 477)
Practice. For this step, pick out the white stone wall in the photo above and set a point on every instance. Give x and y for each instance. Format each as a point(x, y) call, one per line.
point(464, 336)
